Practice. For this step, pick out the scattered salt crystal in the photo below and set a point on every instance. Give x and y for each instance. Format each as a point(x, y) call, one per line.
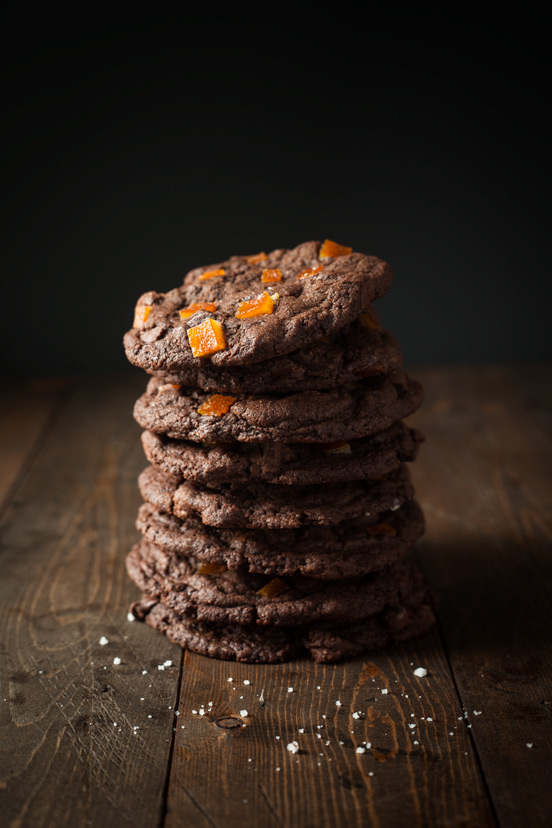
point(144, 672)
point(160, 666)
point(477, 712)
point(150, 716)
point(451, 733)
point(167, 663)
point(116, 660)
point(277, 769)
point(415, 742)
point(202, 711)
point(293, 747)
point(194, 712)
point(103, 641)
point(529, 744)
point(338, 704)
point(360, 749)
point(229, 679)
point(177, 712)
point(384, 690)
point(210, 704)
point(301, 730)
point(429, 719)
point(246, 681)
point(244, 713)
point(370, 773)
point(420, 672)
point(318, 687)
point(130, 616)
point(412, 726)
point(290, 689)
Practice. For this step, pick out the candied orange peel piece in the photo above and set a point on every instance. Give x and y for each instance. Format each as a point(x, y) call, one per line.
point(338, 447)
point(310, 271)
point(141, 314)
point(368, 321)
point(216, 405)
point(381, 529)
point(273, 588)
point(176, 387)
point(210, 274)
point(331, 249)
point(207, 338)
point(256, 258)
point(272, 275)
point(211, 569)
point(260, 306)
point(196, 306)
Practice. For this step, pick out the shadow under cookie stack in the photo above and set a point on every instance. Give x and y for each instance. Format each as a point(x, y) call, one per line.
point(279, 510)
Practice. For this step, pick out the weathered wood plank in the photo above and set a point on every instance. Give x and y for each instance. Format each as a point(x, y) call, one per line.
point(419, 771)
point(69, 748)
point(484, 478)
point(26, 409)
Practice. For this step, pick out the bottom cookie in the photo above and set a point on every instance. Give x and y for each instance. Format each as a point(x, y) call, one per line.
point(322, 642)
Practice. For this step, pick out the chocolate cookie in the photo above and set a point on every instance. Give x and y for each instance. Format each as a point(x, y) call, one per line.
point(269, 506)
point(411, 616)
point(241, 598)
point(346, 413)
point(286, 463)
point(351, 354)
point(315, 296)
point(347, 550)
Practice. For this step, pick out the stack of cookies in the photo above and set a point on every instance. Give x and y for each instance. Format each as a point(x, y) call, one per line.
point(278, 507)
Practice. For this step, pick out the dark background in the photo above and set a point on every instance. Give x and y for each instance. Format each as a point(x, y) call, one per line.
point(138, 149)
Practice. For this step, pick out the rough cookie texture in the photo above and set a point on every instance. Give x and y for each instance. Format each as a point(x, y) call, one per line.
point(347, 413)
point(346, 550)
point(326, 642)
point(286, 463)
point(270, 506)
point(351, 354)
point(305, 310)
point(233, 597)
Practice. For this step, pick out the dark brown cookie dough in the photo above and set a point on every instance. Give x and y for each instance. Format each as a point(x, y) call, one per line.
point(348, 550)
point(348, 355)
point(346, 413)
point(306, 310)
point(239, 598)
point(285, 463)
point(268, 506)
point(413, 615)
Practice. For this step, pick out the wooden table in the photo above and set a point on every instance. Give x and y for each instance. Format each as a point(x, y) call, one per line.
point(86, 741)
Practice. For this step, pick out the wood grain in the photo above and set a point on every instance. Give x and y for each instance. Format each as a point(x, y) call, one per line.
point(234, 770)
point(27, 410)
point(69, 752)
point(85, 742)
point(484, 479)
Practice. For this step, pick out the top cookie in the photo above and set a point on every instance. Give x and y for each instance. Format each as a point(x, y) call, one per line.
point(305, 294)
